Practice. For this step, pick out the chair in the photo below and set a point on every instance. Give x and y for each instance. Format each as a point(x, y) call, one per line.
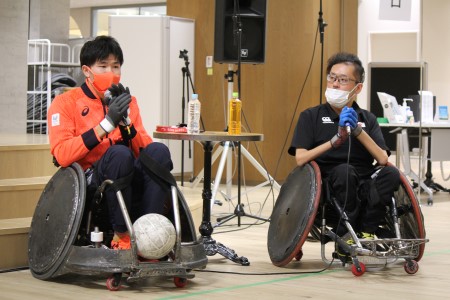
point(295, 218)
point(59, 238)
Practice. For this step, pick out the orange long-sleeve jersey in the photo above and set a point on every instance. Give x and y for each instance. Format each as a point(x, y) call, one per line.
point(72, 118)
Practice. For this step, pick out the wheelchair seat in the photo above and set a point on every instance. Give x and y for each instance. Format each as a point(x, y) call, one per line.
point(294, 217)
point(57, 238)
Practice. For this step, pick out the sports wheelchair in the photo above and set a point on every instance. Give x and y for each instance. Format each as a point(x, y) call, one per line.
point(294, 220)
point(66, 216)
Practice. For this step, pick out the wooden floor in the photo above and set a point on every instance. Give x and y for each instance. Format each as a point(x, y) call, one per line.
point(308, 278)
point(224, 279)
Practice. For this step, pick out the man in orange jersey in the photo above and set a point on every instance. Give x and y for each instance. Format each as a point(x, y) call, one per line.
point(98, 125)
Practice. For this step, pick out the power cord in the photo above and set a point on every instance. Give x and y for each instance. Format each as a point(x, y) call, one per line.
point(346, 189)
point(262, 274)
point(298, 102)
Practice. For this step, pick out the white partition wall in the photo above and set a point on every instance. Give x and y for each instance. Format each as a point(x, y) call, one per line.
point(152, 70)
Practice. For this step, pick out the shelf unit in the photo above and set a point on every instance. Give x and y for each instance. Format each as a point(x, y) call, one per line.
point(47, 63)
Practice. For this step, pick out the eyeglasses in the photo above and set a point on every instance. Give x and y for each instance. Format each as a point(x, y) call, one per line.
point(343, 80)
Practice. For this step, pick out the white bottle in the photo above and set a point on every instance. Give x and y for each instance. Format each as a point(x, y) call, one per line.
point(194, 108)
point(406, 110)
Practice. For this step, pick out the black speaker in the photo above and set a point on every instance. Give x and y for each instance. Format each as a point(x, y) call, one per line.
point(250, 17)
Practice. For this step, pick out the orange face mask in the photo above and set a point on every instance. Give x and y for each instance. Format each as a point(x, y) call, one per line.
point(103, 81)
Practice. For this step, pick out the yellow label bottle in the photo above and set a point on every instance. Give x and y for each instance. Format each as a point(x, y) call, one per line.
point(234, 114)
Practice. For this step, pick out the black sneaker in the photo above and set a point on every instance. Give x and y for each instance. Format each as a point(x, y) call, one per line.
point(341, 254)
point(365, 236)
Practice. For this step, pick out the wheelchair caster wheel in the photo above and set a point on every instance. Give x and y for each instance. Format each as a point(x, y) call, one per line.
point(411, 267)
point(430, 202)
point(180, 282)
point(299, 255)
point(362, 269)
point(113, 282)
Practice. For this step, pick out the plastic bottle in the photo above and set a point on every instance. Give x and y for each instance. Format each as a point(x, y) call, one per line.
point(194, 108)
point(409, 117)
point(234, 114)
point(406, 110)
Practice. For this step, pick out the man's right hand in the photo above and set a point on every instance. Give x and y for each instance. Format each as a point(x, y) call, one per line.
point(116, 90)
point(117, 108)
point(340, 137)
point(348, 117)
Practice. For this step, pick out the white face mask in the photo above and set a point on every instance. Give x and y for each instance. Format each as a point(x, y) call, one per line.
point(338, 98)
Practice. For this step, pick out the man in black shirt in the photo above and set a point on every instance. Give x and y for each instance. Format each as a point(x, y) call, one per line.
point(344, 140)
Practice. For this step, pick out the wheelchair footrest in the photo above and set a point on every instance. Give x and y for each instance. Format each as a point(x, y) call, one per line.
point(391, 248)
point(159, 269)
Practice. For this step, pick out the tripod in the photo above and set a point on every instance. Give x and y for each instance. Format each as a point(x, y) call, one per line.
point(224, 150)
point(186, 76)
point(239, 210)
point(187, 81)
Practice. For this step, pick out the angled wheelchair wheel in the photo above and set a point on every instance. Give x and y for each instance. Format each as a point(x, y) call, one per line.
point(294, 213)
point(410, 215)
point(56, 221)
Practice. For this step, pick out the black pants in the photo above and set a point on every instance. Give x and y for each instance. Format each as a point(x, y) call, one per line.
point(364, 199)
point(143, 195)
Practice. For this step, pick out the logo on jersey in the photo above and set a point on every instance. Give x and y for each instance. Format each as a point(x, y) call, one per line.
point(85, 111)
point(55, 120)
point(327, 120)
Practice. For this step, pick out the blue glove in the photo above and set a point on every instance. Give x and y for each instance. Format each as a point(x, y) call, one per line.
point(348, 117)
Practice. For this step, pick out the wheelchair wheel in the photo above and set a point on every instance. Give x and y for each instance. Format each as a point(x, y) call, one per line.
point(56, 220)
point(359, 272)
point(410, 215)
point(294, 213)
point(180, 282)
point(113, 282)
point(411, 267)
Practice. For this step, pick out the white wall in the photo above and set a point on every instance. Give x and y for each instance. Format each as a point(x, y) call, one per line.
point(13, 59)
point(436, 48)
point(48, 19)
point(368, 21)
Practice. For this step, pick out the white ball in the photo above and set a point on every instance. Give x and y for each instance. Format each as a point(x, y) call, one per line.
point(155, 236)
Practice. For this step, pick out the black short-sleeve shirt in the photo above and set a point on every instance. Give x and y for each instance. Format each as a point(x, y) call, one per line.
point(319, 124)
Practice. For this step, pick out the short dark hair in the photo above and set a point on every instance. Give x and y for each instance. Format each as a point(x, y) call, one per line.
point(347, 58)
point(100, 48)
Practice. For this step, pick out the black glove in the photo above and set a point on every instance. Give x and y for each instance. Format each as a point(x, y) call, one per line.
point(117, 109)
point(357, 130)
point(117, 90)
point(340, 137)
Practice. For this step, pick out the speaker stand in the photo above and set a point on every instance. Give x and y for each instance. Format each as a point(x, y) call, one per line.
point(225, 157)
point(321, 26)
point(239, 209)
point(224, 150)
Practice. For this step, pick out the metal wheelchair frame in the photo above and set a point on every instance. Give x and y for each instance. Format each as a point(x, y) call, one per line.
point(96, 258)
point(377, 252)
